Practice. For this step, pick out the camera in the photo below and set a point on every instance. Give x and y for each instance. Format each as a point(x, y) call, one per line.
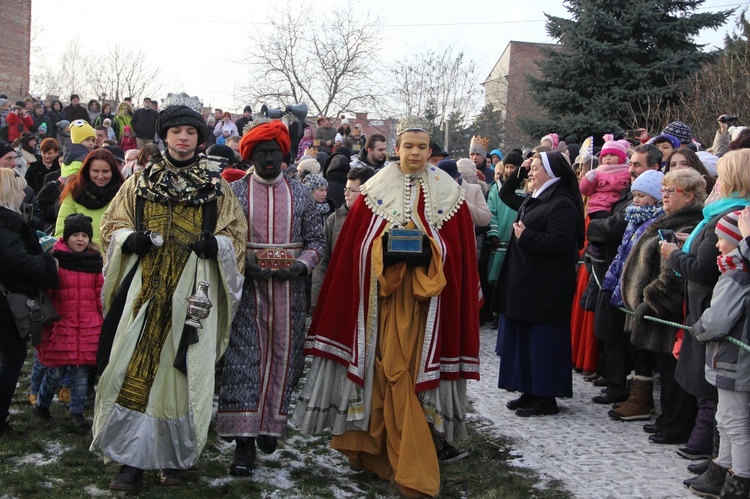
point(632, 134)
point(725, 119)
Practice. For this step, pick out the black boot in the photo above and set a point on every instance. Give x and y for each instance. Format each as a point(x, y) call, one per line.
point(244, 457)
point(79, 422)
point(127, 479)
point(524, 399)
point(41, 413)
point(267, 443)
point(699, 468)
point(710, 483)
point(735, 487)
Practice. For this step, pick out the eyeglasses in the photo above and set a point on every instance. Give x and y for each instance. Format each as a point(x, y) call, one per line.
point(351, 190)
point(670, 191)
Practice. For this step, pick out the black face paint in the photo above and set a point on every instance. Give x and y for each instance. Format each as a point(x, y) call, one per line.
point(267, 159)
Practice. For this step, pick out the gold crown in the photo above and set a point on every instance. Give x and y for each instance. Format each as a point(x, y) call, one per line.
point(413, 124)
point(256, 122)
point(480, 141)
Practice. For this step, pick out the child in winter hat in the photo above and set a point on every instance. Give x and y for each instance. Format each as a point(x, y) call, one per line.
point(82, 133)
point(640, 214)
point(727, 365)
point(604, 184)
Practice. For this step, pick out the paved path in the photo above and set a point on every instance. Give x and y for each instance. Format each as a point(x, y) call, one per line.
point(591, 454)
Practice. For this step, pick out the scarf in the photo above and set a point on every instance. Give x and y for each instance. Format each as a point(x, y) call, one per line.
point(636, 215)
point(95, 197)
point(731, 262)
point(323, 208)
point(710, 211)
point(193, 185)
point(88, 261)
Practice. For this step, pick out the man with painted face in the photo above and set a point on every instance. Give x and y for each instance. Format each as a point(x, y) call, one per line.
point(395, 333)
point(285, 241)
point(171, 228)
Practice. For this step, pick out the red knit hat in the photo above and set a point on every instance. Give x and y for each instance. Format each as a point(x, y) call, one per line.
point(727, 228)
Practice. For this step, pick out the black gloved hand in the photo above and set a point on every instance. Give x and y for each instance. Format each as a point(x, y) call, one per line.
point(421, 259)
point(206, 247)
point(411, 259)
point(493, 242)
point(298, 269)
point(255, 272)
point(137, 243)
point(642, 311)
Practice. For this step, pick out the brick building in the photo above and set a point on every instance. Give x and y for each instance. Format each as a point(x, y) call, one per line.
point(15, 49)
point(506, 88)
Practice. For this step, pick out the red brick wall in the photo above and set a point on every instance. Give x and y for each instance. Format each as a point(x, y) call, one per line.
point(15, 25)
point(523, 63)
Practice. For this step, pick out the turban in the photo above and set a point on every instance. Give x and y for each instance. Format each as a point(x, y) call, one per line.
point(181, 116)
point(274, 130)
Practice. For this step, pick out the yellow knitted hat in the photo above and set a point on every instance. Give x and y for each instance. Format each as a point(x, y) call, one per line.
point(80, 130)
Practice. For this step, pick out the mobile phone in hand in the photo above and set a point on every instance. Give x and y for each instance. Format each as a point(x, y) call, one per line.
point(666, 235)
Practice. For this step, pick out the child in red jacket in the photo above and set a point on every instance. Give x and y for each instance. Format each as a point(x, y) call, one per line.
point(73, 340)
point(127, 142)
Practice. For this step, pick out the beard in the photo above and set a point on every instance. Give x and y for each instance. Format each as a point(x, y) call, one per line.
point(181, 154)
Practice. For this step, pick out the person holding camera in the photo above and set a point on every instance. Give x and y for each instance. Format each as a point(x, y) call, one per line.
point(723, 135)
point(18, 121)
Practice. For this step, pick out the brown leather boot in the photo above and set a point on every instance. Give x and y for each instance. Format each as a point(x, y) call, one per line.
point(640, 403)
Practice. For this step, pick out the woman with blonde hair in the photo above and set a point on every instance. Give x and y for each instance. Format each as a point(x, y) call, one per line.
point(24, 268)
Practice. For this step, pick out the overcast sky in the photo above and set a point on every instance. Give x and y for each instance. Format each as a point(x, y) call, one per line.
point(201, 51)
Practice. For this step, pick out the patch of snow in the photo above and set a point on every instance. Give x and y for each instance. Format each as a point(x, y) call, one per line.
point(95, 491)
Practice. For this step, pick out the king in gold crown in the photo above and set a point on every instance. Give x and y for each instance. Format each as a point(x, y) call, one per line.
point(479, 145)
point(413, 124)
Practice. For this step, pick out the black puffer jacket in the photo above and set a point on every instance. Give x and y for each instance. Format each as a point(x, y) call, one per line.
point(24, 267)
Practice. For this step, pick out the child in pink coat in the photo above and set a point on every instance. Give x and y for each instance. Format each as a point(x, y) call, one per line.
point(127, 142)
point(73, 340)
point(604, 184)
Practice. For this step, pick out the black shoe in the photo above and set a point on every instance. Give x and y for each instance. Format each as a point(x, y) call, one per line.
point(244, 457)
point(266, 443)
point(608, 399)
point(698, 468)
point(6, 430)
point(127, 479)
point(538, 407)
point(521, 401)
point(691, 454)
point(449, 454)
point(41, 413)
point(663, 438)
point(652, 428)
point(169, 477)
point(79, 422)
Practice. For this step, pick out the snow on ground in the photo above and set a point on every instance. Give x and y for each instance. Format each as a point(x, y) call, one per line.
point(592, 455)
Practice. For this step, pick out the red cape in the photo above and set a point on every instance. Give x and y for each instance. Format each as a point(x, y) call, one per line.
point(338, 328)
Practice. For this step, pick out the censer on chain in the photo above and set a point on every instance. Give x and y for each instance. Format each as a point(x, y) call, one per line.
point(199, 306)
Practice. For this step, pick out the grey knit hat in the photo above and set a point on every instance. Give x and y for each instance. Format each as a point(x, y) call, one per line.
point(315, 181)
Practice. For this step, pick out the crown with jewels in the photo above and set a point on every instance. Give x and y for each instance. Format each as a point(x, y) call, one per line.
point(413, 124)
point(261, 120)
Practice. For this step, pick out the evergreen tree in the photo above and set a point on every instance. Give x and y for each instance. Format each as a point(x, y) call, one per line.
point(489, 123)
point(616, 56)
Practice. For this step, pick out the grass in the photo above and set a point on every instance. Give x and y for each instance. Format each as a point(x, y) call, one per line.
point(50, 459)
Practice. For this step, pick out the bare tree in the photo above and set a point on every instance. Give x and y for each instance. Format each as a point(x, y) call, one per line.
point(448, 92)
point(328, 68)
point(119, 73)
point(122, 72)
